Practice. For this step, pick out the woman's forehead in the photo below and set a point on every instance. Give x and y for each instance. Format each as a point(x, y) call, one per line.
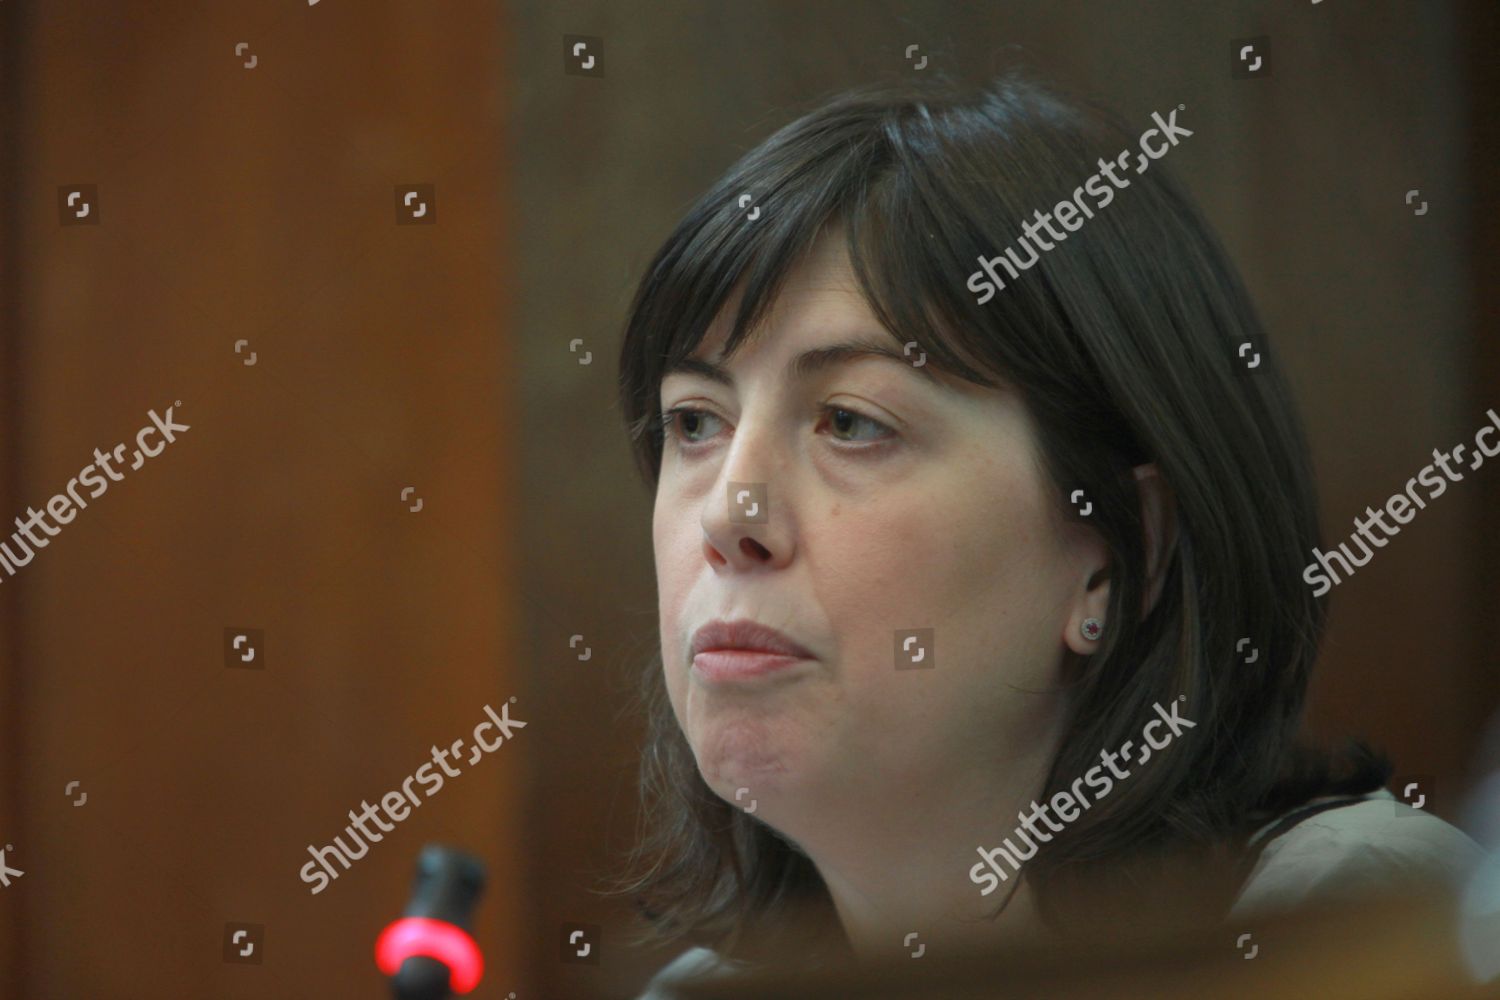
point(819, 300)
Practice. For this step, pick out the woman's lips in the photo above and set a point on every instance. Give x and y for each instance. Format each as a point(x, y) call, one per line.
point(728, 665)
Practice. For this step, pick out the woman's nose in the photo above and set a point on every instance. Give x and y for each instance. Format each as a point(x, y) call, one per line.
point(746, 521)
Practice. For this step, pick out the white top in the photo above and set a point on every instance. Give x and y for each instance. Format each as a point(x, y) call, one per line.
point(1341, 853)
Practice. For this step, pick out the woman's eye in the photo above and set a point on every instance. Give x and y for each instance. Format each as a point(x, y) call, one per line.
point(684, 423)
point(682, 429)
point(843, 418)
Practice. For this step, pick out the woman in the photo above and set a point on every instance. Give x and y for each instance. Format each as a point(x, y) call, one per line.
point(980, 529)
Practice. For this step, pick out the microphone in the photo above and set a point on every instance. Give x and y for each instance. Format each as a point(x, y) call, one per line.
point(429, 953)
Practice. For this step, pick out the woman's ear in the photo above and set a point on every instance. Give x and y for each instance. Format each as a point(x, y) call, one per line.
point(1159, 522)
point(1159, 517)
point(1091, 603)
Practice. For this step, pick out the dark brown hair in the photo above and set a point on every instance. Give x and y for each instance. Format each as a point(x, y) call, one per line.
point(1124, 342)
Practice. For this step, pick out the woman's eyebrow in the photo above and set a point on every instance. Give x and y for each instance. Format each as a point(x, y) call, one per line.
point(814, 360)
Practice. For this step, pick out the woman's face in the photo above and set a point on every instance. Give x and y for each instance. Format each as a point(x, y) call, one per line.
point(892, 502)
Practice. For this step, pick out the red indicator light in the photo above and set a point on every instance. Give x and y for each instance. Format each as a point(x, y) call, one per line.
point(435, 939)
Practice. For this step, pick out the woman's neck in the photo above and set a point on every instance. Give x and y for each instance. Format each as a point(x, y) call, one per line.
point(909, 925)
point(903, 868)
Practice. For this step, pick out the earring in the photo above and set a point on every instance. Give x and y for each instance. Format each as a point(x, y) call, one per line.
point(1091, 628)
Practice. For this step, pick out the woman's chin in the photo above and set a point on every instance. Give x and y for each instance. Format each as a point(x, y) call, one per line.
point(759, 755)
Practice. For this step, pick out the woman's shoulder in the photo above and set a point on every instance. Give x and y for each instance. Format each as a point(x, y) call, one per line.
point(1328, 849)
point(694, 963)
point(1338, 849)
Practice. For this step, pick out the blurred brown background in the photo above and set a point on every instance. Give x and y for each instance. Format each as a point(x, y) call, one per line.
point(260, 203)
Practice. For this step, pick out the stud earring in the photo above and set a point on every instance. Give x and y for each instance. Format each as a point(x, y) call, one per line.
point(1091, 628)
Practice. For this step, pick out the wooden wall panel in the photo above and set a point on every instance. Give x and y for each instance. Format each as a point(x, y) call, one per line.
point(1480, 29)
point(255, 203)
point(10, 411)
